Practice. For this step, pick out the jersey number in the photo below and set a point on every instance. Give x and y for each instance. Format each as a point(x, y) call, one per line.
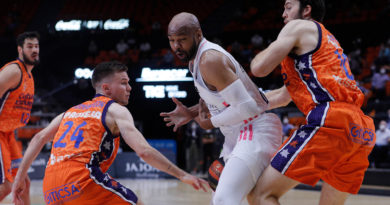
point(343, 59)
point(76, 136)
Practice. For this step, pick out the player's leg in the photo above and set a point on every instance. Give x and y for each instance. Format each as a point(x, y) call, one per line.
point(330, 195)
point(5, 166)
point(270, 187)
point(234, 184)
point(16, 159)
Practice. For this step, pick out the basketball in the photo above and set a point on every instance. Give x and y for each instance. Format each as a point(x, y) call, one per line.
point(214, 173)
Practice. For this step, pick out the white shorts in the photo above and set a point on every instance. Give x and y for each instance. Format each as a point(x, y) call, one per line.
point(254, 142)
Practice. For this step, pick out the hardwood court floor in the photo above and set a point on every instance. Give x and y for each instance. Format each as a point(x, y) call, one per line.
point(174, 192)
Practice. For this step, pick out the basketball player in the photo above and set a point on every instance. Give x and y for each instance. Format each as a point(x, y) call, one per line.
point(235, 103)
point(85, 143)
point(337, 138)
point(16, 99)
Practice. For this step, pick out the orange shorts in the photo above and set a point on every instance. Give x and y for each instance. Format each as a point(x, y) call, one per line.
point(333, 146)
point(10, 156)
point(70, 183)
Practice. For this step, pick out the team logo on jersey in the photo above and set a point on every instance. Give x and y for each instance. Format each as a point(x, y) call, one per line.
point(361, 135)
point(63, 193)
point(351, 84)
point(24, 101)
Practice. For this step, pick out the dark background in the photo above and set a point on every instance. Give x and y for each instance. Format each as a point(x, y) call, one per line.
point(357, 24)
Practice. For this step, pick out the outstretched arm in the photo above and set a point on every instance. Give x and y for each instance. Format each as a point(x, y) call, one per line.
point(33, 149)
point(267, 60)
point(138, 143)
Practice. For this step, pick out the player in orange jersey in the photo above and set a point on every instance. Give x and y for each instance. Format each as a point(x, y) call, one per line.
point(16, 99)
point(337, 138)
point(85, 143)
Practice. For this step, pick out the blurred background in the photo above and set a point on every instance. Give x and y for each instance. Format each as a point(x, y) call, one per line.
point(79, 34)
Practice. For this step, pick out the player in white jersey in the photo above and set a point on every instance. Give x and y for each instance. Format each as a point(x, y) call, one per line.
point(236, 106)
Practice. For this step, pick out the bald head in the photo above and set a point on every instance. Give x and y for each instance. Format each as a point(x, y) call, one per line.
point(183, 24)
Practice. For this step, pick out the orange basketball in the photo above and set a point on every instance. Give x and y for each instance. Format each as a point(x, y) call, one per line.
point(215, 171)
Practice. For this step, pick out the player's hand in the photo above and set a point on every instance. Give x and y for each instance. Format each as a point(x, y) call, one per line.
point(195, 182)
point(203, 110)
point(18, 188)
point(203, 118)
point(180, 116)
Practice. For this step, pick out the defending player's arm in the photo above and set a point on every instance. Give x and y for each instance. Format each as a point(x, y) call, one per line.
point(267, 60)
point(137, 142)
point(10, 77)
point(278, 98)
point(33, 149)
point(218, 71)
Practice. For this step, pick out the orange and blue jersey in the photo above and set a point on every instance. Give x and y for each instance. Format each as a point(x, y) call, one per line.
point(16, 103)
point(83, 149)
point(322, 75)
point(337, 138)
point(83, 137)
point(15, 108)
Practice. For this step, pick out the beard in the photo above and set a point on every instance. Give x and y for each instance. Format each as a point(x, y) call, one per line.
point(188, 55)
point(30, 62)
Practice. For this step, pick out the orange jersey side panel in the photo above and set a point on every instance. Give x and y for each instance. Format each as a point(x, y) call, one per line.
point(15, 104)
point(322, 75)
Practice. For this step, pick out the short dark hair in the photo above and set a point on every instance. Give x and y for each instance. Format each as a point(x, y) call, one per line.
point(317, 8)
point(106, 69)
point(23, 36)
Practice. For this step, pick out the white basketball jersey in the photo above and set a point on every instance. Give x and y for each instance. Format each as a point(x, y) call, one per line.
point(213, 99)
